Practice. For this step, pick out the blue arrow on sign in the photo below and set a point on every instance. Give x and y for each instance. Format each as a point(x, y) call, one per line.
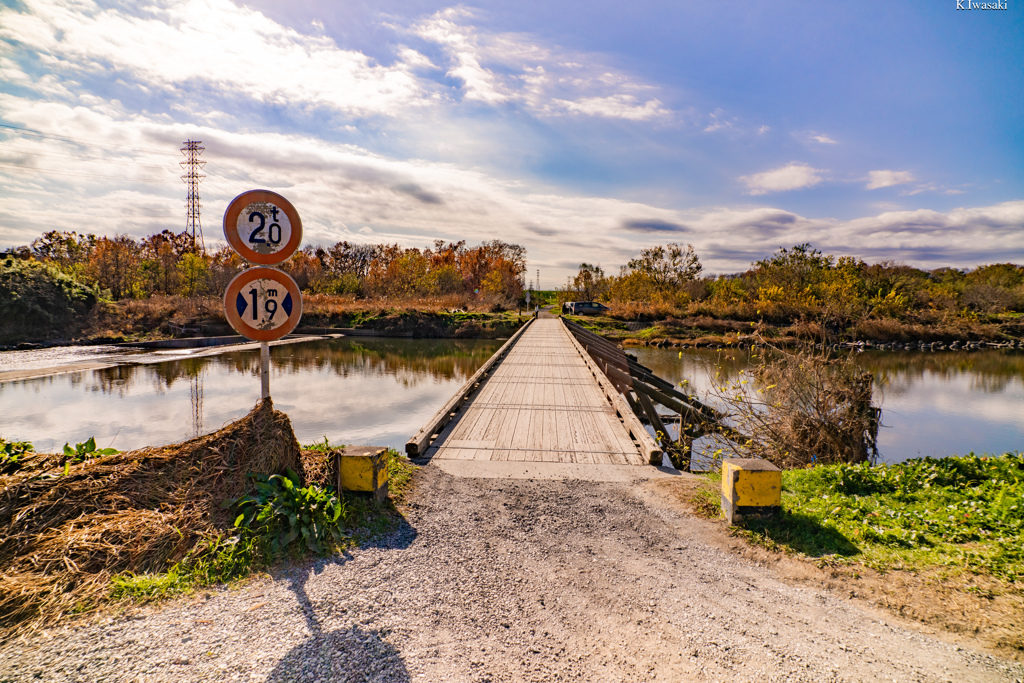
point(241, 304)
point(287, 304)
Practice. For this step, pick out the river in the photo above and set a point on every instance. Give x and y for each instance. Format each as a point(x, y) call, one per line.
point(381, 391)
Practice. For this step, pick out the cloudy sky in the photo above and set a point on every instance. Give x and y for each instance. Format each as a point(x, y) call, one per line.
point(585, 131)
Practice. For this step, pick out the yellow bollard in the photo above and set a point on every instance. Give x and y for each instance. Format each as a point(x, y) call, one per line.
point(363, 468)
point(750, 486)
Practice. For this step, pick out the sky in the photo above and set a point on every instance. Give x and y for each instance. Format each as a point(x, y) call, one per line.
point(585, 131)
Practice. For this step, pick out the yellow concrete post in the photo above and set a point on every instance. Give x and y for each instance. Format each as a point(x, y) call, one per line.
point(750, 486)
point(363, 468)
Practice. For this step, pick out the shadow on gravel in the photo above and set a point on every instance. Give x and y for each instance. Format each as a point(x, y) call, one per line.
point(350, 654)
point(344, 655)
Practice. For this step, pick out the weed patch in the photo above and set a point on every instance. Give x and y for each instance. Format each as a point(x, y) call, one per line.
point(282, 518)
point(962, 513)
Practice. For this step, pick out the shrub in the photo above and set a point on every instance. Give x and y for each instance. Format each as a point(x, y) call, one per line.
point(794, 409)
point(38, 300)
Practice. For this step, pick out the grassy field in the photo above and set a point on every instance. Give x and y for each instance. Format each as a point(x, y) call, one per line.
point(961, 513)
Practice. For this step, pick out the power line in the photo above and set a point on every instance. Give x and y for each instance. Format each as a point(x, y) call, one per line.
point(76, 156)
point(39, 133)
point(87, 175)
point(227, 170)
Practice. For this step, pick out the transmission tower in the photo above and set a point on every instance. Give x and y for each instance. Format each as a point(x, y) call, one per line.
point(193, 166)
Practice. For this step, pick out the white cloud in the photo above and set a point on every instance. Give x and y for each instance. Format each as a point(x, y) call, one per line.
point(718, 120)
point(346, 192)
point(793, 176)
point(215, 43)
point(823, 139)
point(615, 106)
point(879, 179)
point(498, 68)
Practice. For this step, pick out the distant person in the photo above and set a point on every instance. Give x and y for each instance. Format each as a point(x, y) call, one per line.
point(536, 311)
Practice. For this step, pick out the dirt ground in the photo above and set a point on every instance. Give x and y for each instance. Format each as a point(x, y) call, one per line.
point(516, 580)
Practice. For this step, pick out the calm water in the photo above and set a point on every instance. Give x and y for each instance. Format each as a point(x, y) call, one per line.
point(381, 391)
point(933, 404)
point(365, 391)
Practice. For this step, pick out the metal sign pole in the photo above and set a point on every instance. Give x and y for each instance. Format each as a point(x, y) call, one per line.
point(265, 368)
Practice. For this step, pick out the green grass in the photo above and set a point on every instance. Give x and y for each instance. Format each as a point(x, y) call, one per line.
point(243, 551)
point(965, 512)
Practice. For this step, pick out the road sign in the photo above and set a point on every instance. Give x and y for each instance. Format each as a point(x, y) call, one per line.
point(263, 227)
point(263, 304)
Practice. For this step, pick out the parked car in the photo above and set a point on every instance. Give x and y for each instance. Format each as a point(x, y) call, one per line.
point(587, 308)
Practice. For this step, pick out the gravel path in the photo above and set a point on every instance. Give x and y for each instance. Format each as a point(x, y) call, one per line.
point(509, 580)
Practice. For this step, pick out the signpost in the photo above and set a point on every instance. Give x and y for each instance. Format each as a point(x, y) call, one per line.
point(263, 303)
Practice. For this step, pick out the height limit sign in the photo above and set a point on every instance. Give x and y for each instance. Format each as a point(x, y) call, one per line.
point(263, 303)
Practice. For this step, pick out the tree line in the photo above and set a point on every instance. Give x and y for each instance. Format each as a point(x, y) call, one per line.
point(168, 263)
point(799, 282)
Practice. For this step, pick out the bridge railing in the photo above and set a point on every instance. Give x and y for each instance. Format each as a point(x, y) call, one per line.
point(640, 389)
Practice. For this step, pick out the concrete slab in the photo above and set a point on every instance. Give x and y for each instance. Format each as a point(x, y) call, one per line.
point(13, 375)
point(557, 471)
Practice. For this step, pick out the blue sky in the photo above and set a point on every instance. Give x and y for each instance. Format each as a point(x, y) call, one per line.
point(585, 131)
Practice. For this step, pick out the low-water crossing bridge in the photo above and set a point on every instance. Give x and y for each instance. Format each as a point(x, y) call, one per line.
point(541, 398)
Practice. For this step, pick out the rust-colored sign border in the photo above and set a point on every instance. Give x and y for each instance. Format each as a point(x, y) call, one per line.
point(244, 278)
point(231, 227)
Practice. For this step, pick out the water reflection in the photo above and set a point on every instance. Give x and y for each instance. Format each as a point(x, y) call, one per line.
point(381, 391)
point(933, 404)
point(377, 391)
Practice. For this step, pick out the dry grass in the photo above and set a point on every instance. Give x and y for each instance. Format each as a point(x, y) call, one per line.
point(65, 535)
point(345, 305)
point(146, 317)
point(635, 310)
point(801, 407)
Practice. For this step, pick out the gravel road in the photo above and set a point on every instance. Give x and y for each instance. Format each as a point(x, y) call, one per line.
point(510, 580)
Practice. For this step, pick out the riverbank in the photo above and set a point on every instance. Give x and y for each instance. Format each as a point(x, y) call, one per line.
point(1006, 331)
point(173, 317)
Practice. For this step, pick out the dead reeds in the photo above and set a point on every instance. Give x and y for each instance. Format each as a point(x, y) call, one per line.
point(802, 407)
point(67, 531)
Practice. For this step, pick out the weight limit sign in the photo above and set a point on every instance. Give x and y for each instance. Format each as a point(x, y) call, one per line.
point(263, 227)
point(263, 304)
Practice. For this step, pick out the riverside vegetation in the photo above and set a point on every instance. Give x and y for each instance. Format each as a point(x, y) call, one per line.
point(801, 294)
point(67, 286)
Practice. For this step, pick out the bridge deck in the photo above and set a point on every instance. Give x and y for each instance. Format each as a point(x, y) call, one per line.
point(541, 404)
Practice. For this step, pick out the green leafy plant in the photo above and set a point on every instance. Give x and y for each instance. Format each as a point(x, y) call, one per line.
point(85, 451)
point(11, 453)
point(282, 511)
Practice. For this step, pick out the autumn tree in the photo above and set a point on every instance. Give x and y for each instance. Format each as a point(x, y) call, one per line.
point(67, 250)
point(114, 265)
point(668, 266)
point(589, 282)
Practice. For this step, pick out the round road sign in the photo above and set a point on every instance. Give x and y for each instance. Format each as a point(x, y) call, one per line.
point(263, 304)
point(263, 227)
